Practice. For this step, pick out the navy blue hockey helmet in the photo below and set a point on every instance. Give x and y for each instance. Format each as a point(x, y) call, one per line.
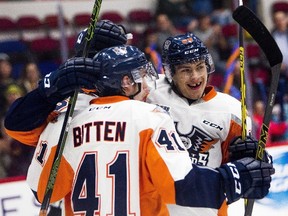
point(183, 49)
point(117, 62)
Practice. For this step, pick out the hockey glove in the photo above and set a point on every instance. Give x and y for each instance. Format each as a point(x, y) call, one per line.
point(247, 178)
point(246, 148)
point(106, 34)
point(74, 74)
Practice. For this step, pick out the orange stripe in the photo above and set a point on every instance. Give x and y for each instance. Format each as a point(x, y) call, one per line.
point(67, 204)
point(233, 57)
point(27, 137)
point(63, 183)
point(108, 100)
point(150, 167)
point(228, 83)
point(223, 211)
point(234, 131)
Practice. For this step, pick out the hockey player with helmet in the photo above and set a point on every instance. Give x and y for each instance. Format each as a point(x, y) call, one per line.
point(88, 66)
point(45, 110)
point(54, 100)
point(117, 147)
point(208, 122)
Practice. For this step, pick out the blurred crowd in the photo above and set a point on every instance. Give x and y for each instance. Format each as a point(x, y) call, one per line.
point(209, 20)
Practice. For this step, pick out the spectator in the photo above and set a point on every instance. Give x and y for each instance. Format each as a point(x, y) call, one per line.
point(151, 51)
point(280, 34)
point(199, 7)
point(221, 14)
point(5, 70)
point(165, 28)
point(277, 126)
point(176, 10)
point(29, 77)
point(258, 114)
point(211, 35)
point(12, 152)
point(5, 79)
point(285, 113)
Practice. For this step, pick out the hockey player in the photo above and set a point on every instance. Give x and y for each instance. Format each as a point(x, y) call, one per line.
point(40, 113)
point(117, 147)
point(80, 104)
point(208, 122)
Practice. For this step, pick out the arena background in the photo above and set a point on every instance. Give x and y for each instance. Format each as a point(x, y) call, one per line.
point(16, 198)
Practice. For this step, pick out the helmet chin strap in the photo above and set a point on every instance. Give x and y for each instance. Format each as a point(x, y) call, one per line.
point(139, 90)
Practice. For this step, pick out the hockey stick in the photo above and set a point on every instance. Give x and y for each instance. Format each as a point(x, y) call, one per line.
point(251, 23)
point(242, 86)
point(67, 118)
point(242, 81)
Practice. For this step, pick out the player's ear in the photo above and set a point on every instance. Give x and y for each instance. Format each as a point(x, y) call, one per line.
point(126, 81)
point(127, 85)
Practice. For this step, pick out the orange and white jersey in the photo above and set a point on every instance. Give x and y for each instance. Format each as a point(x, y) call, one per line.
point(206, 127)
point(115, 162)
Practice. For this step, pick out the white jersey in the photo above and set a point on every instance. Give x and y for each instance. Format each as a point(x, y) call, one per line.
point(206, 127)
point(92, 132)
point(49, 138)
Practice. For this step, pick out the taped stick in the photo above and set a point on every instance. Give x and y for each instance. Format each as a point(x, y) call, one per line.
point(242, 81)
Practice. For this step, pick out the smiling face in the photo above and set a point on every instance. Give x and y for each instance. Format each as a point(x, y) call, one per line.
point(190, 79)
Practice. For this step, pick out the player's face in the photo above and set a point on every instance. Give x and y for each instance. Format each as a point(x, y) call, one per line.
point(132, 88)
point(144, 91)
point(191, 79)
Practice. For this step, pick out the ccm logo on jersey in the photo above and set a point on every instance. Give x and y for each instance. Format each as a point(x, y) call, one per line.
point(236, 176)
point(212, 125)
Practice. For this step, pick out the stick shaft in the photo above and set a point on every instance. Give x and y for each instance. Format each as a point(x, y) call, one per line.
point(242, 81)
point(67, 119)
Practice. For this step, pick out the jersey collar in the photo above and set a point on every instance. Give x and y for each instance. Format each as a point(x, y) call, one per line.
point(108, 99)
point(209, 93)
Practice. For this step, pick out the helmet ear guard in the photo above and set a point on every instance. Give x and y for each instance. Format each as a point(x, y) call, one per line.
point(184, 48)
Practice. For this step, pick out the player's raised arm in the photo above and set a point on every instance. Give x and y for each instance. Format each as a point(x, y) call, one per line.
point(32, 110)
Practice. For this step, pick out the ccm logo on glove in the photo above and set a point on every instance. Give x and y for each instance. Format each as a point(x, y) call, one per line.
point(47, 81)
point(236, 176)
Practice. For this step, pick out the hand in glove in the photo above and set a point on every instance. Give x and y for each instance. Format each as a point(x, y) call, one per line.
point(74, 74)
point(106, 34)
point(247, 178)
point(246, 148)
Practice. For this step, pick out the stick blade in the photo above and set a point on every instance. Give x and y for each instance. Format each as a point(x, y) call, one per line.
point(251, 23)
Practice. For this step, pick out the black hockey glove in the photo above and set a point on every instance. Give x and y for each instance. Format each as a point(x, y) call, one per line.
point(247, 178)
point(246, 148)
point(106, 34)
point(74, 74)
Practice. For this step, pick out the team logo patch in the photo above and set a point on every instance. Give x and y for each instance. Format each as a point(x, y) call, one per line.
point(120, 50)
point(166, 44)
point(187, 40)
